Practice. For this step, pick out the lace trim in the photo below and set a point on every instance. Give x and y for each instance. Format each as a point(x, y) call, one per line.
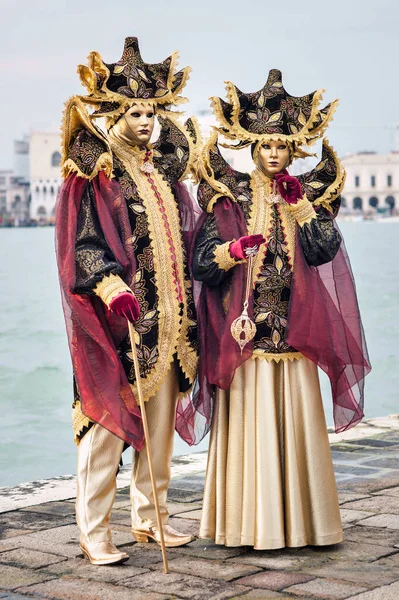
point(284, 357)
point(109, 287)
point(303, 211)
point(79, 421)
point(223, 258)
point(169, 272)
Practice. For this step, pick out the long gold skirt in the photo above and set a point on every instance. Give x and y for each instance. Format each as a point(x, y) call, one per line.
point(270, 481)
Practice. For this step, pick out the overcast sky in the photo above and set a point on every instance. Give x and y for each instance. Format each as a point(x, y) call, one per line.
point(349, 47)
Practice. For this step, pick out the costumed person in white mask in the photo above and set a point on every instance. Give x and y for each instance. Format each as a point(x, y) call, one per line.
point(278, 300)
point(122, 218)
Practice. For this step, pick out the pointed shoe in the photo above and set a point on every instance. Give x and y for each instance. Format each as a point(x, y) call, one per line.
point(103, 553)
point(172, 538)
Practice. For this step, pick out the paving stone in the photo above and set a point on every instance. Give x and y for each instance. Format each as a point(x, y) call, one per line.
point(146, 555)
point(192, 514)
point(185, 525)
point(347, 551)
point(69, 588)
point(10, 532)
point(357, 470)
point(211, 569)
point(379, 536)
point(33, 521)
point(259, 594)
point(189, 483)
point(376, 504)
point(122, 504)
point(274, 580)
point(387, 462)
point(80, 567)
point(209, 550)
point(350, 496)
point(12, 578)
point(179, 495)
point(63, 509)
point(373, 485)
point(31, 559)
point(349, 516)
point(59, 540)
point(354, 572)
point(324, 588)
point(383, 520)
point(184, 586)
point(374, 442)
point(394, 491)
point(284, 560)
point(10, 596)
point(387, 592)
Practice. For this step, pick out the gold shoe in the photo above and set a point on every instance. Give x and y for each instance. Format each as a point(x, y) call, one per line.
point(103, 553)
point(172, 537)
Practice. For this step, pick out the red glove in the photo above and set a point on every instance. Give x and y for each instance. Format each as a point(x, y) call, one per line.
point(289, 187)
point(125, 305)
point(237, 249)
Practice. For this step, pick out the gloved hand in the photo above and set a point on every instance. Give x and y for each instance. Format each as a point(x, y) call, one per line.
point(289, 187)
point(237, 249)
point(125, 305)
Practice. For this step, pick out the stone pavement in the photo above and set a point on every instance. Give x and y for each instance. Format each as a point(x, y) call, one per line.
point(40, 556)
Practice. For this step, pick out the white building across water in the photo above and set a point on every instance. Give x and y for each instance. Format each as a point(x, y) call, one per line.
point(45, 175)
point(372, 182)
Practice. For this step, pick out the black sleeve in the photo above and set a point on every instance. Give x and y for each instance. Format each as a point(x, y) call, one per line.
point(319, 239)
point(205, 268)
point(93, 257)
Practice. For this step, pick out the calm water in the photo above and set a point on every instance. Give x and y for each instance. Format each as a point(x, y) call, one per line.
point(35, 375)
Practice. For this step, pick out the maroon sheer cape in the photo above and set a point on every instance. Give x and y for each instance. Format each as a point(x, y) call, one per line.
point(94, 333)
point(324, 322)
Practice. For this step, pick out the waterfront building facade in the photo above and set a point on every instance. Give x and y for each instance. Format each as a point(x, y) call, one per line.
point(45, 175)
point(372, 182)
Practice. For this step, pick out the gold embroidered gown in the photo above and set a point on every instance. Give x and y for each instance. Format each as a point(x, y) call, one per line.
point(270, 480)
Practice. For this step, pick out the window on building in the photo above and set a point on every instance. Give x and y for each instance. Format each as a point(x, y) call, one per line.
point(357, 203)
point(37, 189)
point(44, 189)
point(52, 191)
point(373, 201)
point(41, 211)
point(55, 159)
point(343, 201)
point(372, 181)
point(3, 201)
point(390, 200)
point(357, 181)
point(2, 180)
point(389, 180)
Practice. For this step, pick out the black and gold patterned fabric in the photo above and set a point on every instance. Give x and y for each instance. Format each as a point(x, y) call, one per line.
point(166, 329)
point(275, 263)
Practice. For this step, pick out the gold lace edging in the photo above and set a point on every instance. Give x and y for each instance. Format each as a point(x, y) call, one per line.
point(79, 421)
point(171, 324)
point(205, 171)
point(284, 357)
point(223, 258)
point(336, 187)
point(109, 287)
point(75, 118)
point(303, 211)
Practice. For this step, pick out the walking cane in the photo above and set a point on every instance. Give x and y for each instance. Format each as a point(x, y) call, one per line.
point(147, 443)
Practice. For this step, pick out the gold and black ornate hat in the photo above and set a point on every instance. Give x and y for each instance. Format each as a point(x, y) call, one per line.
point(273, 114)
point(114, 87)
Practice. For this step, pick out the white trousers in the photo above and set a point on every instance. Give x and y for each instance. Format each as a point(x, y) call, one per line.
point(99, 454)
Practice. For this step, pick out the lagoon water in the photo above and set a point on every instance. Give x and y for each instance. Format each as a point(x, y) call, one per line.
point(36, 438)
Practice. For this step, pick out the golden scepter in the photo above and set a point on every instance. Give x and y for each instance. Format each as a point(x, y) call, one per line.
point(147, 443)
point(243, 329)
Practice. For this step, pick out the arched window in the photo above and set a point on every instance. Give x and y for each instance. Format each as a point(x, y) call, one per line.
point(357, 203)
point(343, 202)
point(44, 189)
point(37, 189)
point(55, 159)
point(373, 201)
point(52, 191)
point(17, 201)
point(390, 200)
point(41, 211)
